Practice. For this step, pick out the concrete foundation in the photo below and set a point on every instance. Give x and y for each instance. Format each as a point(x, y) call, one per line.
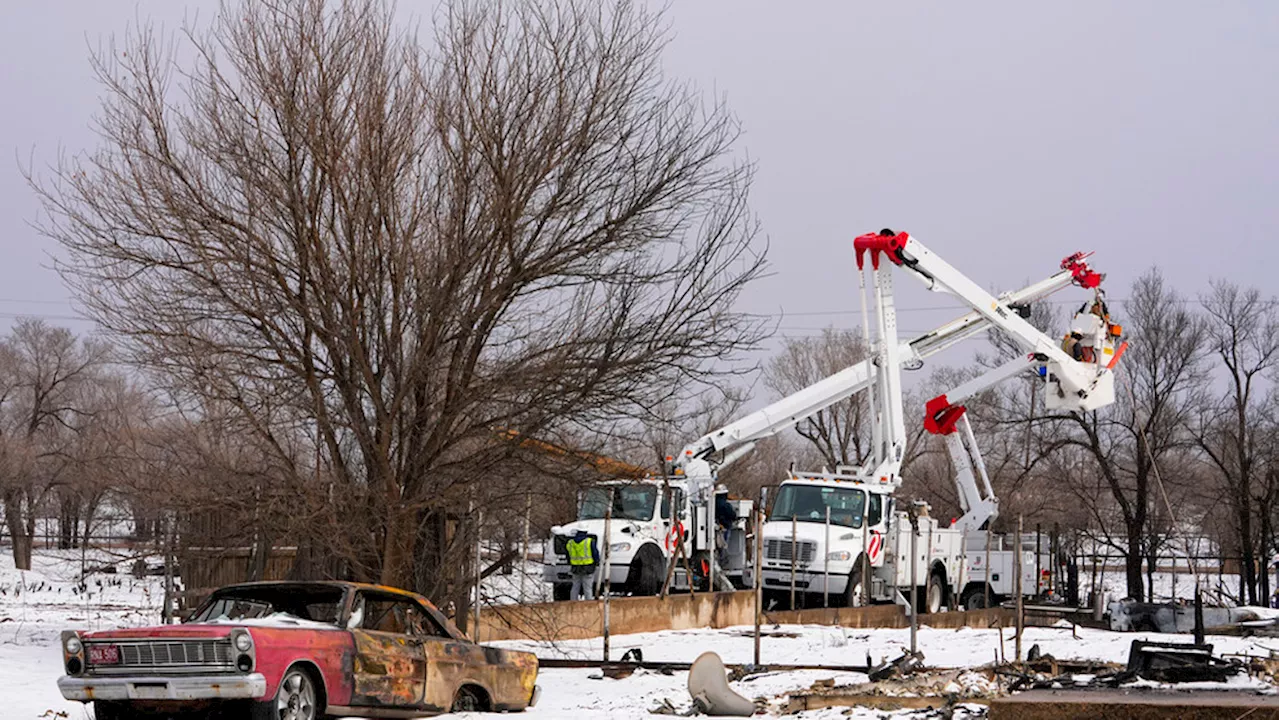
point(583, 619)
point(1133, 705)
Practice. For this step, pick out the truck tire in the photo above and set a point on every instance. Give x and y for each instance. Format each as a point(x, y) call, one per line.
point(853, 593)
point(647, 572)
point(560, 591)
point(935, 594)
point(974, 597)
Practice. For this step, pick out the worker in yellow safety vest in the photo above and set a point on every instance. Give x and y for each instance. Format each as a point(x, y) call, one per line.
point(584, 557)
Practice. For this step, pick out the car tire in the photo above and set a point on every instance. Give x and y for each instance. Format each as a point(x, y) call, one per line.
point(470, 699)
point(297, 698)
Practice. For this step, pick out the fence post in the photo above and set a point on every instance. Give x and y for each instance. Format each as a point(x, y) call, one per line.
point(757, 569)
point(608, 538)
point(1017, 579)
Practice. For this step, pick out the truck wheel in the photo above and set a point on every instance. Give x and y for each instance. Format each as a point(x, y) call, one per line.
point(935, 594)
point(973, 598)
point(853, 590)
point(560, 591)
point(647, 571)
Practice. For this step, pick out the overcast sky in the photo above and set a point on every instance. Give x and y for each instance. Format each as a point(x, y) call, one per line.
point(1003, 135)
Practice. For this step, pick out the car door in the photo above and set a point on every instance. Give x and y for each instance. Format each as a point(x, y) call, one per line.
point(390, 668)
point(451, 661)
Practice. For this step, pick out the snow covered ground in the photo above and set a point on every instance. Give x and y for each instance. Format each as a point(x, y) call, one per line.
point(35, 606)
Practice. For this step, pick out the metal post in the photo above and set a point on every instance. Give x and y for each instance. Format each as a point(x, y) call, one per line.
point(604, 563)
point(1017, 579)
point(673, 520)
point(710, 538)
point(479, 542)
point(915, 596)
point(758, 581)
point(524, 565)
point(986, 580)
point(1036, 584)
point(792, 606)
point(826, 562)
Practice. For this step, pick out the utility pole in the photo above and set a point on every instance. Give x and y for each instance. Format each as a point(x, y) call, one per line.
point(915, 595)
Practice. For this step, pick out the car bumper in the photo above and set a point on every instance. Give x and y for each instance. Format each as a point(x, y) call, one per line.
point(194, 687)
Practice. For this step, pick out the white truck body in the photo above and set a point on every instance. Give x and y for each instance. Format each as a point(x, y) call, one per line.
point(642, 536)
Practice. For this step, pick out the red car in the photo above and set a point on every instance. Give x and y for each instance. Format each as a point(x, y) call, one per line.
point(298, 651)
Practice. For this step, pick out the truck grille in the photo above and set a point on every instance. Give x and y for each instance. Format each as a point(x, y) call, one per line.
point(780, 549)
point(170, 655)
point(560, 542)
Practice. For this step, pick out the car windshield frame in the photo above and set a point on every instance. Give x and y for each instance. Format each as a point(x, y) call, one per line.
point(808, 503)
point(630, 502)
point(300, 601)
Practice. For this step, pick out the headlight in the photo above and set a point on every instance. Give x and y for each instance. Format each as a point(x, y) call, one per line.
point(243, 642)
point(619, 547)
point(72, 645)
point(838, 555)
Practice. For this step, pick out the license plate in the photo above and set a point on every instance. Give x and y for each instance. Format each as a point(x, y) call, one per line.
point(104, 654)
point(150, 691)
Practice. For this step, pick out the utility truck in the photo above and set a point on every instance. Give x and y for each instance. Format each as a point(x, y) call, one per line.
point(879, 548)
point(652, 521)
point(843, 534)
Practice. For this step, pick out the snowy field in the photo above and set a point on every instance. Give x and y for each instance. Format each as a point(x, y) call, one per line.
point(36, 606)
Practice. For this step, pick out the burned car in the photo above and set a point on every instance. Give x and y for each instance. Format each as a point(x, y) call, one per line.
point(297, 651)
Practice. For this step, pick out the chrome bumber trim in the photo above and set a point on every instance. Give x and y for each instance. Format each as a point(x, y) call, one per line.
point(164, 687)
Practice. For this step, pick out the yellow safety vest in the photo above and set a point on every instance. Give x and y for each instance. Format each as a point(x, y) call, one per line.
point(579, 552)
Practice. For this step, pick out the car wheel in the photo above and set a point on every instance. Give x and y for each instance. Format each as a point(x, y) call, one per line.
point(296, 699)
point(469, 699)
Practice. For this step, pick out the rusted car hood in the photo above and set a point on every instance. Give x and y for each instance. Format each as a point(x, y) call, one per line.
point(203, 630)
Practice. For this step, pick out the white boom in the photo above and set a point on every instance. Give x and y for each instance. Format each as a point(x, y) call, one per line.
point(738, 437)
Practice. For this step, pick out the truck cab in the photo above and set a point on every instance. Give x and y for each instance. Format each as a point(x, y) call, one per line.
point(649, 519)
point(841, 535)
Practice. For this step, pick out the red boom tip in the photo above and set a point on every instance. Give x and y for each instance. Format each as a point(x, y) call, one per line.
point(886, 241)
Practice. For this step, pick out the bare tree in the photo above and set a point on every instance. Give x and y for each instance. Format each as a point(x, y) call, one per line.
point(402, 252)
point(44, 370)
point(1233, 432)
point(838, 433)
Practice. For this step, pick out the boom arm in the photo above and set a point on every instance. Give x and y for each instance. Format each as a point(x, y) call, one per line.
point(738, 437)
point(830, 390)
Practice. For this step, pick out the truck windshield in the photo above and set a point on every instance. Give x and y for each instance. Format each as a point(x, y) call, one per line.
point(629, 502)
point(809, 503)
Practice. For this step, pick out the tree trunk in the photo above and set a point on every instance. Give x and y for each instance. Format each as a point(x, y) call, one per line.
point(1133, 561)
point(397, 548)
point(19, 531)
point(1248, 576)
